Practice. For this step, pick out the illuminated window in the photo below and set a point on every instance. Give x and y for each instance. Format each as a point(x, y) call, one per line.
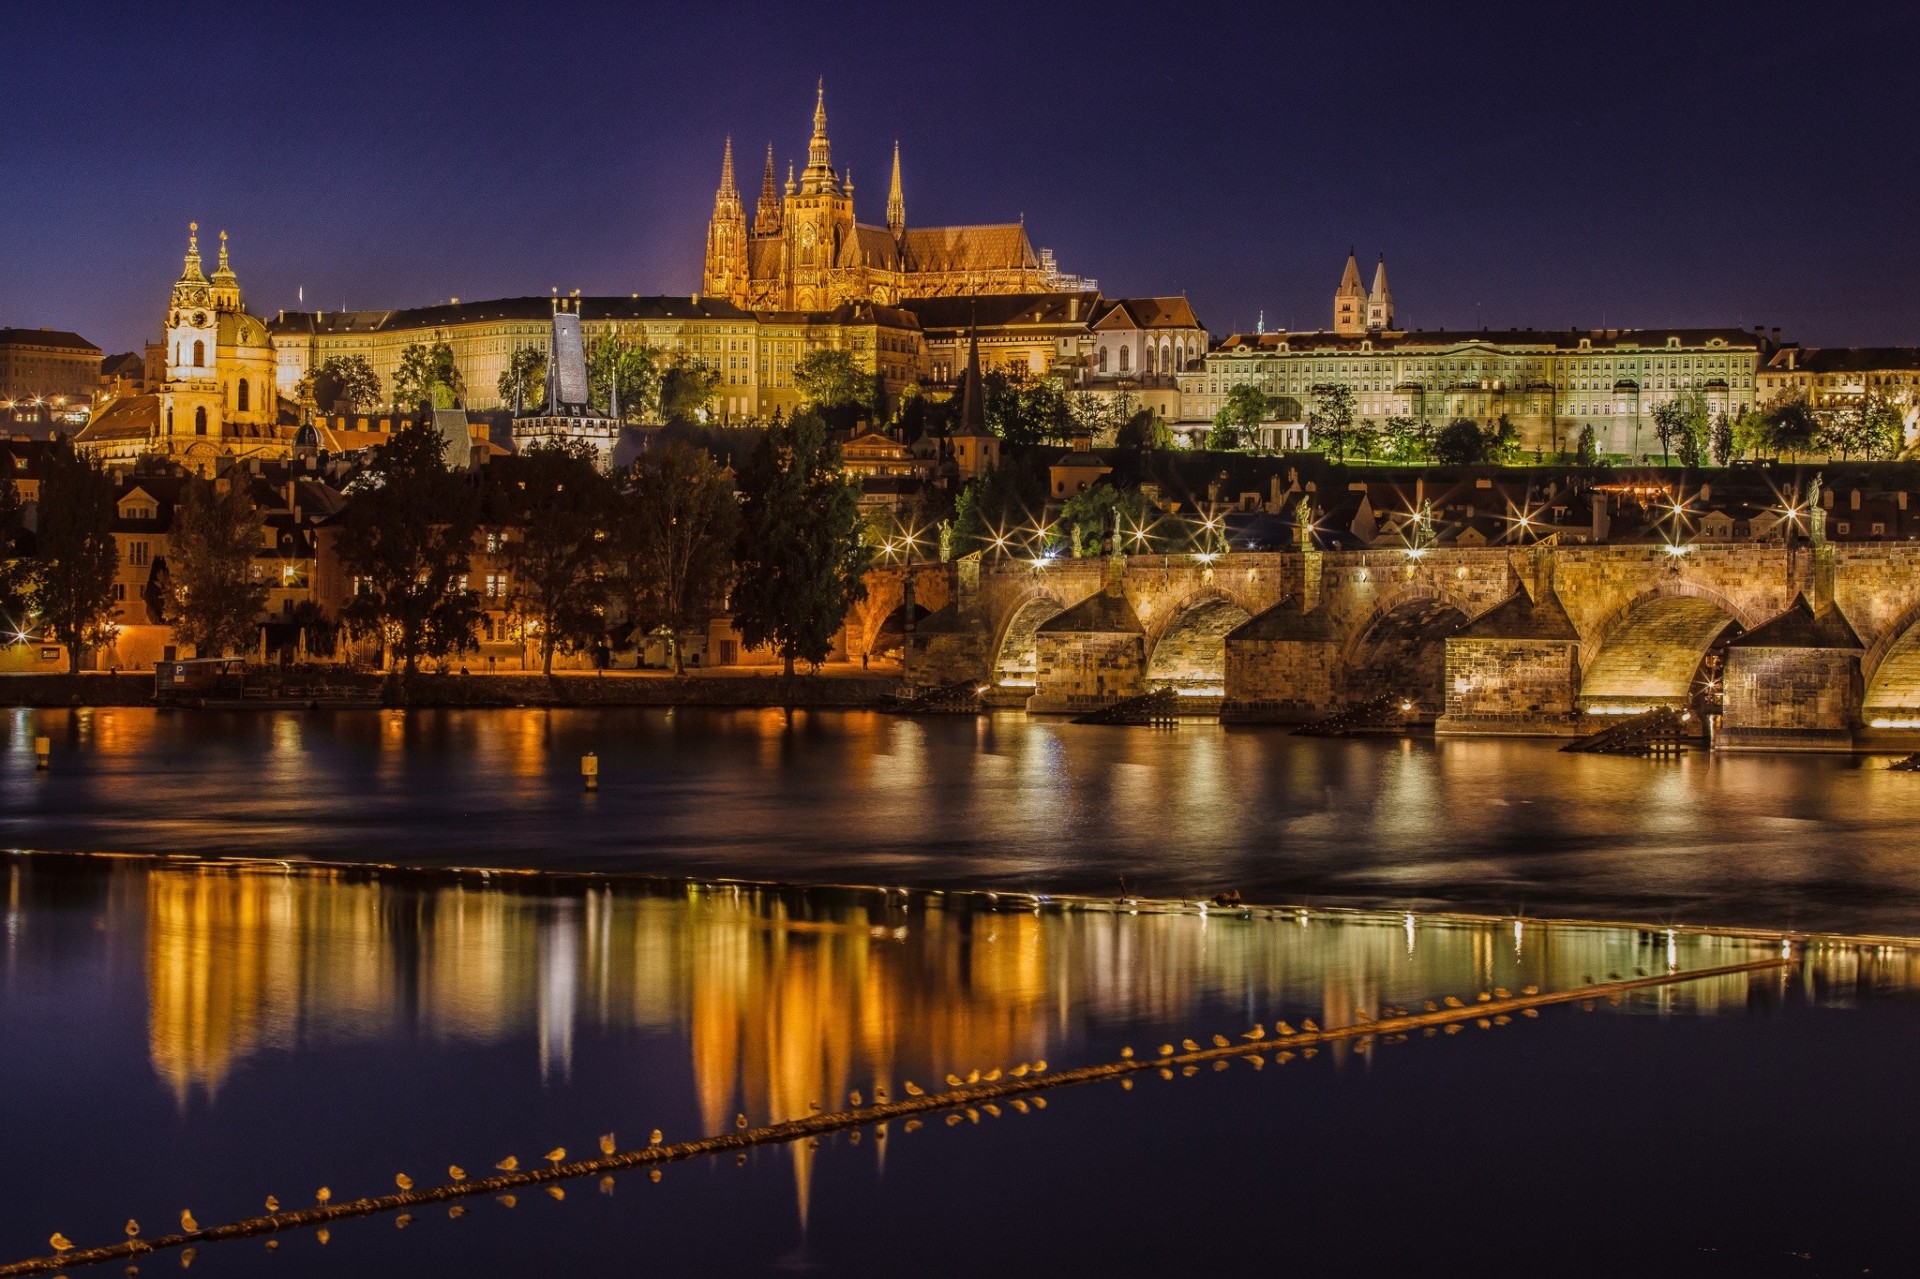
point(199, 354)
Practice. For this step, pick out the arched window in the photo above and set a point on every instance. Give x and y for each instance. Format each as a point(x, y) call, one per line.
point(200, 417)
point(1166, 356)
point(169, 419)
point(1100, 361)
point(243, 395)
point(199, 354)
point(1123, 359)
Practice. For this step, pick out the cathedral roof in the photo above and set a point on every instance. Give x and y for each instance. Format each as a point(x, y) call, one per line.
point(1555, 339)
point(131, 417)
point(968, 248)
point(539, 309)
point(1003, 310)
point(871, 246)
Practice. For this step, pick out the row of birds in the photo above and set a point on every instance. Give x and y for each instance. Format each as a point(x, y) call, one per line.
point(608, 1146)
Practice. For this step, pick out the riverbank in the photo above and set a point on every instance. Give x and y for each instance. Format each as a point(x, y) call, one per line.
point(831, 687)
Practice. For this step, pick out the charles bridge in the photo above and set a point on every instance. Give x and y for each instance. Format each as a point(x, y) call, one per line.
point(1812, 645)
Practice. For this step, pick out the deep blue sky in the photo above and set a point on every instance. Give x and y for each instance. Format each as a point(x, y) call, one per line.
point(1527, 165)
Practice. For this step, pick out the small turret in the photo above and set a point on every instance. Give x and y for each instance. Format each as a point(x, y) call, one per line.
point(896, 201)
point(1350, 301)
point(767, 214)
point(1380, 299)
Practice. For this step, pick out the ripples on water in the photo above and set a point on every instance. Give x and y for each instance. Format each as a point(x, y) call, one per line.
point(1501, 826)
point(182, 1035)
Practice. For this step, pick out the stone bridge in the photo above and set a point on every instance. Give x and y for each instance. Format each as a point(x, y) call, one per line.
point(1809, 645)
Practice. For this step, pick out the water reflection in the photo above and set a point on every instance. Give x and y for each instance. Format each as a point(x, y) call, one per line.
point(261, 982)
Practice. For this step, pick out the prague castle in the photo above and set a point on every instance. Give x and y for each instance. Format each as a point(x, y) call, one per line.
point(805, 251)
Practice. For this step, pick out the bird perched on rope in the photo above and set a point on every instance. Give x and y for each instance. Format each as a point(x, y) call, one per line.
point(607, 1146)
point(456, 1172)
point(1020, 1071)
point(1220, 1041)
point(853, 1099)
point(60, 1242)
point(323, 1194)
point(1310, 1026)
point(1040, 1067)
point(403, 1181)
point(510, 1164)
point(1281, 1028)
point(187, 1223)
point(653, 1138)
point(913, 1089)
point(273, 1205)
point(1452, 1002)
point(557, 1154)
point(1126, 1054)
point(133, 1228)
point(1256, 1034)
point(992, 1076)
point(1190, 1046)
point(1361, 1014)
point(953, 1081)
point(973, 1076)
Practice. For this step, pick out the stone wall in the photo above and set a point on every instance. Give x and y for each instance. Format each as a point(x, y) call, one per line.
point(1511, 686)
point(1280, 681)
point(1790, 698)
point(1080, 671)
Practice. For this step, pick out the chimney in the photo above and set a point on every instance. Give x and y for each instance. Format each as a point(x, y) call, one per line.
point(1776, 335)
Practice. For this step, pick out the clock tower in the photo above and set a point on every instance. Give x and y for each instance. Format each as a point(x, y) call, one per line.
point(191, 399)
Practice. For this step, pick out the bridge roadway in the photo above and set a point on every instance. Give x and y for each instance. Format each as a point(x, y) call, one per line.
point(1812, 646)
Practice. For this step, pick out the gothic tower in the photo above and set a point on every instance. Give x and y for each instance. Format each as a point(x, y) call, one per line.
point(1350, 301)
point(726, 272)
point(1380, 299)
point(819, 220)
point(766, 212)
point(896, 202)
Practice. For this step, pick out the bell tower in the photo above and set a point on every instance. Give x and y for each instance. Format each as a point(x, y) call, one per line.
point(819, 219)
point(726, 269)
point(191, 399)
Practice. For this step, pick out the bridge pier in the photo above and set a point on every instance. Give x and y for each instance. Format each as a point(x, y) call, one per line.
point(1092, 655)
point(1281, 666)
point(1793, 683)
point(1514, 671)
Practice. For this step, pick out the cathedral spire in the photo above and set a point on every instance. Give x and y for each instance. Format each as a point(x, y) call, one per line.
point(1350, 301)
point(896, 202)
point(973, 388)
point(728, 191)
point(819, 175)
point(766, 213)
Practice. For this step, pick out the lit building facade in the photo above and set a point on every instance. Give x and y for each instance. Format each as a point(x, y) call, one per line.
point(805, 251)
point(1549, 383)
point(46, 366)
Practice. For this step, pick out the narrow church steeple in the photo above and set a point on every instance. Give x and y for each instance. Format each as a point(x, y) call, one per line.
point(766, 213)
point(728, 191)
point(896, 202)
point(226, 285)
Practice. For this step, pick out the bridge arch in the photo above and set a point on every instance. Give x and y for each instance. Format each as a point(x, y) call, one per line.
point(1015, 653)
point(1890, 670)
point(1401, 647)
point(1653, 650)
point(1190, 650)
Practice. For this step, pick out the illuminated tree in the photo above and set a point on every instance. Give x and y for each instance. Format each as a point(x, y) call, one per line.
point(634, 366)
point(801, 558)
point(427, 375)
point(996, 512)
point(71, 578)
point(15, 568)
point(1460, 442)
point(341, 380)
point(1331, 417)
point(686, 388)
point(212, 600)
point(1586, 450)
point(524, 381)
point(1099, 511)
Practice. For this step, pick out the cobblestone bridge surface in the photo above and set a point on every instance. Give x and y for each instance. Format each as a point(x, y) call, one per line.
point(1813, 646)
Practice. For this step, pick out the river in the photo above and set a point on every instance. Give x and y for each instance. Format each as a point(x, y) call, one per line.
point(1507, 827)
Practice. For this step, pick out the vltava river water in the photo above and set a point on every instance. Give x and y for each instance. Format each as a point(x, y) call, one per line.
point(1505, 827)
point(180, 1036)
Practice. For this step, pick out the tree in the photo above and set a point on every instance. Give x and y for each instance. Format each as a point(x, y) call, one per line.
point(1023, 410)
point(75, 556)
point(1720, 439)
point(1791, 426)
point(800, 555)
point(1404, 439)
point(1460, 443)
point(341, 381)
point(1099, 511)
point(524, 381)
point(1586, 451)
point(1145, 430)
point(1331, 416)
point(1869, 427)
point(427, 375)
point(676, 528)
point(1681, 425)
point(558, 503)
point(610, 359)
point(15, 567)
point(828, 379)
point(996, 511)
point(686, 388)
point(1750, 433)
point(213, 600)
point(406, 541)
point(1237, 423)
point(1093, 414)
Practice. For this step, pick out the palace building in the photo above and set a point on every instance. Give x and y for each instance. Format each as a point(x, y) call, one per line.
point(1550, 384)
point(217, 398)
point(805, 251)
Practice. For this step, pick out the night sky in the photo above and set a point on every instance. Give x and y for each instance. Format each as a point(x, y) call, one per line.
point(1529, 165)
